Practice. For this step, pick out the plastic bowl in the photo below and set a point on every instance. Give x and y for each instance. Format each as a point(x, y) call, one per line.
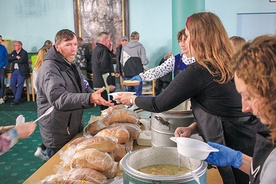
point(115, 94)
point(193, 148)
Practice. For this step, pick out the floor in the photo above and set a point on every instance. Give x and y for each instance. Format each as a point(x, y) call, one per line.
point(19, 162)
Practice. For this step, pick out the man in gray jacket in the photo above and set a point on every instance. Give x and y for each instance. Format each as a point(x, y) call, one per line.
point(133, 57)
point(60, 84)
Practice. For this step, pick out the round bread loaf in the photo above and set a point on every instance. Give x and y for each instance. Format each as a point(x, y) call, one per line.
point(120, 133)
point(87, 174)
point(104, 144)
point(94, 159)
point(76, 141)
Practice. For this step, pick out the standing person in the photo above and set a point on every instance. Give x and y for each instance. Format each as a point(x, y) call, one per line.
point(20, 71)
point(40, 58)
point(124, 41)
point(258, 96)
point(133, 58)
point(102, 65)
point(237, 42)
point(172, 63)
point(47, 45)
point(216, 104)
point(83, 56)
point(3, 65)
point(60, 84)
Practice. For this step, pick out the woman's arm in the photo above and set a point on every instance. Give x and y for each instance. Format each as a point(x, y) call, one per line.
point(159, 71)
point(186, 131)
point(246, 163)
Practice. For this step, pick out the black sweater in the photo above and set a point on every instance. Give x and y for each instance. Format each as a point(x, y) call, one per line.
point(197, 83)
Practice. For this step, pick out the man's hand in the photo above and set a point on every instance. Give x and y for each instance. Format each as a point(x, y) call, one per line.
point(112, 88)
point(98, 99)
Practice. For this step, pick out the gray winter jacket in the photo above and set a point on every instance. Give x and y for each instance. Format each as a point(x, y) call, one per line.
point(133, 57)
point(60, 85)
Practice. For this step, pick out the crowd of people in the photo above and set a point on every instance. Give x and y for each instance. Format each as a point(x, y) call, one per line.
point(233, 107)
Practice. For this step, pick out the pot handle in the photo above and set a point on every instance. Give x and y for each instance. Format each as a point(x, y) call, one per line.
point(162, 121)
point(173, 139)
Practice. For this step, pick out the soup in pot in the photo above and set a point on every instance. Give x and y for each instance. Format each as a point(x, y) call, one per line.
point(164, 169)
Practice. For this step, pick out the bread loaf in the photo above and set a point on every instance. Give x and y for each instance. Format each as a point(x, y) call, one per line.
point(133, 129)
point(104, 144)
point(109, 110)
point(121, 116)
point(94, 159)
point(94, 125)
point(87, 174)
point(76, 141)
point(120, 133)
point(119, 152)
point(111, 173)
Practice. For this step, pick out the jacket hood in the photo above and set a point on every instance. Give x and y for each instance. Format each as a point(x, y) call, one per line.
point(53, 54)
point(133, 44)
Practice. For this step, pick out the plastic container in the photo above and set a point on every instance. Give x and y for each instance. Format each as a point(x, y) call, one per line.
point(193, 148)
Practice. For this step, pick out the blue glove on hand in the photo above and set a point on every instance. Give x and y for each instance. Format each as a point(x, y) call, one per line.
point(137, 77)
point(225, 157)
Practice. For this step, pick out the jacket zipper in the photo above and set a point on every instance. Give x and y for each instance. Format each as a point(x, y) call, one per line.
point(68, 126)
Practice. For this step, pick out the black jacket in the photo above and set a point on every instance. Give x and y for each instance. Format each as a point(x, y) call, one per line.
point(23, 62)
point(101, 64)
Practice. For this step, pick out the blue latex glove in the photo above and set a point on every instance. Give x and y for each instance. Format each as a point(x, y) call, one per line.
point(225, 157)
point(137, 77)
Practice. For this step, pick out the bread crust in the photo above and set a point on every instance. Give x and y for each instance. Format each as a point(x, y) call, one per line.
point(87, 174)
point(104, 144)
point(94, 159)
point(120, 133)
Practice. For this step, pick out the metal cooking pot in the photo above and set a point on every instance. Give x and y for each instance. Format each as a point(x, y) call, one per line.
point(133, 161)
point(164, 124)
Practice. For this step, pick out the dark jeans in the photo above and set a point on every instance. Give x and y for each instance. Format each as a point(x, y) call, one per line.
point(17, 83)
point(51, 151)
point(2, 84)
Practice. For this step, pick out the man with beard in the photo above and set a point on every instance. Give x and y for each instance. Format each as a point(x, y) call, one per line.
point(60, 84)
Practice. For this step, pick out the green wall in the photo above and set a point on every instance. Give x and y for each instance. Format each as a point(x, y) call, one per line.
point(181, 9)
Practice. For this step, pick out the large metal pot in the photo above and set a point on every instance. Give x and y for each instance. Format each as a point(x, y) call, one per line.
point(164, 124)
point(133, 161)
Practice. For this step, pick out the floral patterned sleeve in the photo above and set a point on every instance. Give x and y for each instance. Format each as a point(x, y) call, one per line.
point(159, 71)
point(8, 140)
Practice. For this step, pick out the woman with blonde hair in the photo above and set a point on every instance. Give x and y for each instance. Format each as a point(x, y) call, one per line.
point(40, 58)
point(258, 96)
point(237, 42)
point(209, 84)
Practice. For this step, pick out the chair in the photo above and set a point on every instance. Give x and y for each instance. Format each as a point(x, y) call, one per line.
point(149, 89)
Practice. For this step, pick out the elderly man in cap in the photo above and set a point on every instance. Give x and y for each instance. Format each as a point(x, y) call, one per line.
point(124, 41)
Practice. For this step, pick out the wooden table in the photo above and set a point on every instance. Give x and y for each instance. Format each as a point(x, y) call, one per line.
point(48, 168)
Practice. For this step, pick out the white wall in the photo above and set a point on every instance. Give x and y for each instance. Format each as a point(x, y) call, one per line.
point(228, 10)
point(34, 21)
